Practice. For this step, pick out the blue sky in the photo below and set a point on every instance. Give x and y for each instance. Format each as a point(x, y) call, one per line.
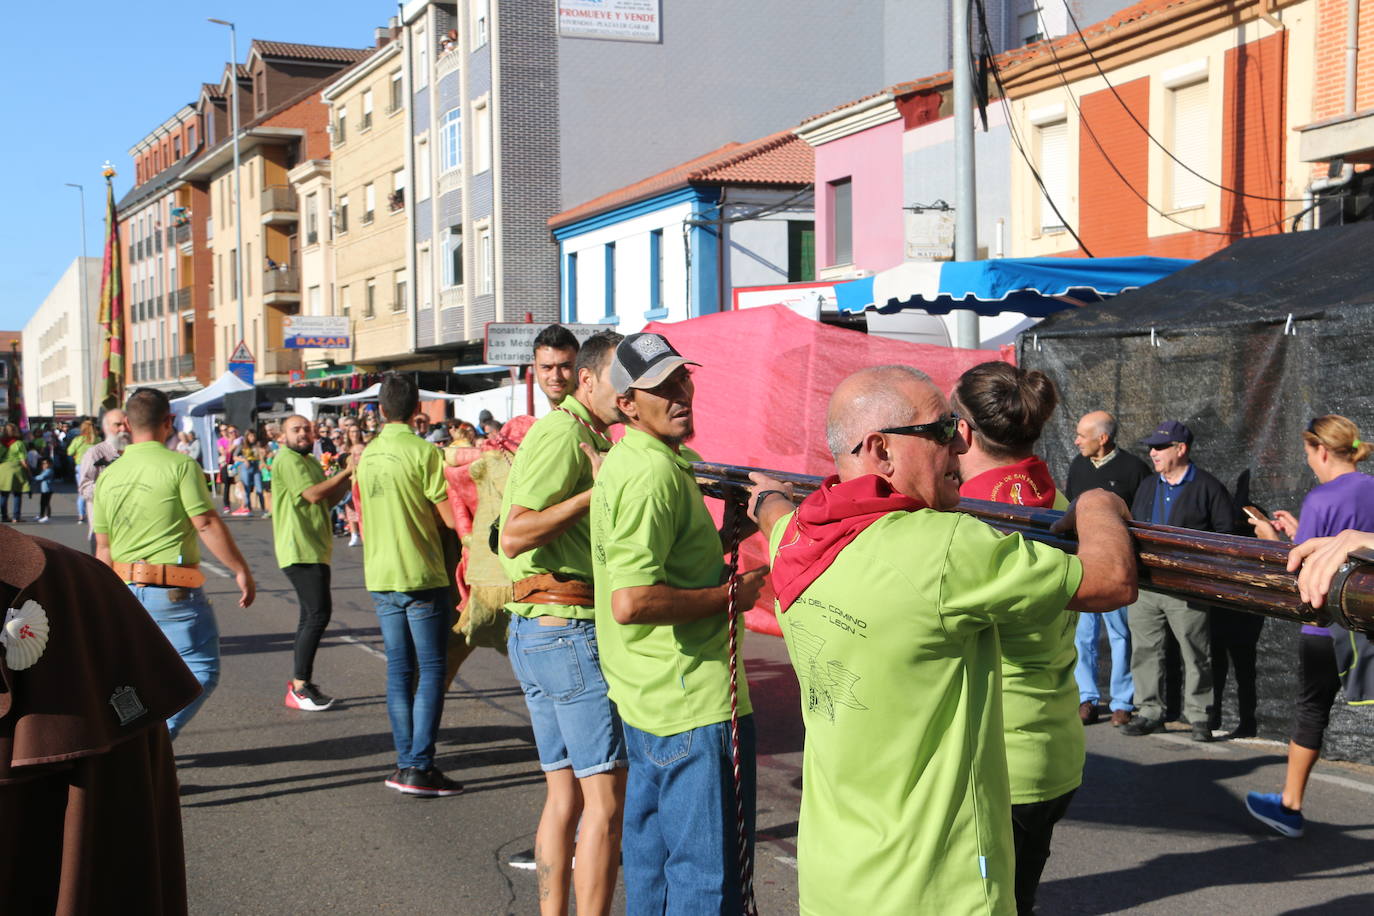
point(92, 87)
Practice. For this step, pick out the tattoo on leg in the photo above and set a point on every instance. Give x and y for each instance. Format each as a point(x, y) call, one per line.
point(544, 873)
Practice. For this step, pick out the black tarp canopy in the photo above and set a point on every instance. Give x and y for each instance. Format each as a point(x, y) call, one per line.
point(1245, 347)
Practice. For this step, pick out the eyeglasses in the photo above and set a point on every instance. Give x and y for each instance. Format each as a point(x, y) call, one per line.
point(939, 431)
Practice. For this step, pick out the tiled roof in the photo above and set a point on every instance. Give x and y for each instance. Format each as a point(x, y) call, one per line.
point(310, 52)
point(211, 90)
point(781, 160)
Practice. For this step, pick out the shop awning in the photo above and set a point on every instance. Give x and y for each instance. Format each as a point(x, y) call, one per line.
point(1031, 286)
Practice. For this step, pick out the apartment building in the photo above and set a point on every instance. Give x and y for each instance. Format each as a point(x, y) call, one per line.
point(63, 343)
point(11, 378)
point(256, 256)
point(367, 216)
point(159, 256)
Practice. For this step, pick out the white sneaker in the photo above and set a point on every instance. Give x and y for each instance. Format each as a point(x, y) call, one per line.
point(353, 541)
point(43, 519)
point(308, 698)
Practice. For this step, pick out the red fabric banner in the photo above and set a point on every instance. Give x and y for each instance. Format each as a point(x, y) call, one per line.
point(112, 306)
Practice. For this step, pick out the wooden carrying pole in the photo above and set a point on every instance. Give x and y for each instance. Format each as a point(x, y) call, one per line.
point(1220, 569)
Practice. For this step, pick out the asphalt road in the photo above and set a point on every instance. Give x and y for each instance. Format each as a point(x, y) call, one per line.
point(285, 812)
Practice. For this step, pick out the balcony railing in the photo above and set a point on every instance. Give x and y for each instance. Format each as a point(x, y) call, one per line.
point(279, 199)
point(181, 299)
point(182, 233)
point(279, 280)
point(184, 365)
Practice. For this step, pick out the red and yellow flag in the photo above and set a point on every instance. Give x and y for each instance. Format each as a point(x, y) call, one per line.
point(112, 304)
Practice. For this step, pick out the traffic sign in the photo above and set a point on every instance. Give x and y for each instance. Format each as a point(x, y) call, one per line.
point(242, 354)
point(511, 343)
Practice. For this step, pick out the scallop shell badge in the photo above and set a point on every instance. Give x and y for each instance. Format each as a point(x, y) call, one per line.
point(24, 635)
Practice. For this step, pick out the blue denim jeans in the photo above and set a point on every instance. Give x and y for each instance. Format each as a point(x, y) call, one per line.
point(188, 621)
point(680, 839)
point(575, 723)
point(1119, 639)
point(415, 629)
point(15, 500)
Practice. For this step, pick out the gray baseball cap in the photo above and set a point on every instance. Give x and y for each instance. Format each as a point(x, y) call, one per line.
point(644, 361)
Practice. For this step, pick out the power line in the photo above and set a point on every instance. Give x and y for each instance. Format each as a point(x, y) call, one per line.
point(1153, 139)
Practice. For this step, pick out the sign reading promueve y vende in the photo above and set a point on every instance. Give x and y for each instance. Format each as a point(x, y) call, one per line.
point(325, 332)
point(613, 20)
point(512, 344)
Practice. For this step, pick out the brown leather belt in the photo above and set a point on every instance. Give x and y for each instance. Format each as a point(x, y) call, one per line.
point(551, 588)
point(166, 574)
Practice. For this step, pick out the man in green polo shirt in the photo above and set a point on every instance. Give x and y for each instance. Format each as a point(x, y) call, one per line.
point(661, 604)
point(149, 507)
point(546, 550)
point(304, 542)
point(404, 500)
point(890, 604)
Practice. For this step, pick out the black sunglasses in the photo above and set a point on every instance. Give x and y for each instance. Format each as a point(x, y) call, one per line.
point(940, 431)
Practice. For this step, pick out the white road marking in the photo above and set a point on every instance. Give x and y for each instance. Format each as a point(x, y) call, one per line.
point(1345, 782)
point(1211, 747)
point(217, 569)
point(353, 640)
point(789, 861)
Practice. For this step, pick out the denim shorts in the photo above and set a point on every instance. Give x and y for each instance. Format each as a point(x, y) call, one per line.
point(575, 723)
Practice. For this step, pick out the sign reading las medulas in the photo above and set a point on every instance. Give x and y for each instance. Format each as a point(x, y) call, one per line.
point(614, 20)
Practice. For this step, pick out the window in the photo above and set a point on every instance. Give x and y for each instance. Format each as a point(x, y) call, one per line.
point(451, 140)
point(312, 219)
point(341, 125)
point(219, 276)
point(1028, 27)
point(481, 14)
point(397, 90)
point(610, 280)
point(1053, 165)
point(365, 122)
point(486, 269)
point(397, 200)
point(312, 299)
point(234, 272)
point(369, 202)
point(370, 299)
point(422, 173)
point(191, 137)
point(176, 147)
point(1188, 133)
point(248, 272)
point(398, 302)
point(421, 59)
point(345, 303)
point(801, 251)
point(572, 286)
point(656, 270)
point(841, 221)
point(341, 216)
point(453, 257)
point(481, 154)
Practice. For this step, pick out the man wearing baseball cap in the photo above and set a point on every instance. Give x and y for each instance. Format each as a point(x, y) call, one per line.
point(661, 602)
point(1181, 494)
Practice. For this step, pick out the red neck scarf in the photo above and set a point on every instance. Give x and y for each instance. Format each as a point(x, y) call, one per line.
point(825, 523)
point(1025, 483)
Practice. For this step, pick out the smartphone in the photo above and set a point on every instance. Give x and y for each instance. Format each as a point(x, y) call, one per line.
point(1254, 513)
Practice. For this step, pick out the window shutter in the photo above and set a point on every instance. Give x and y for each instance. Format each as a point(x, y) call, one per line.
point(1189, 132)
point(1054, 172)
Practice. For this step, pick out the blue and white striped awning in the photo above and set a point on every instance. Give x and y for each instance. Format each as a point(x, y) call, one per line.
point(1032, 286)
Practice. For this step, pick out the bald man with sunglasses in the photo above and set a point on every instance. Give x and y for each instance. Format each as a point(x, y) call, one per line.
point(889, 602)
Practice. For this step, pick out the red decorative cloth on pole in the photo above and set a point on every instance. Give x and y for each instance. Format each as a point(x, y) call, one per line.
point(112, 304)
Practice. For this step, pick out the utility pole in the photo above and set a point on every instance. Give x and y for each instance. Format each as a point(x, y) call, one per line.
point(966, 190)
point(238, 198)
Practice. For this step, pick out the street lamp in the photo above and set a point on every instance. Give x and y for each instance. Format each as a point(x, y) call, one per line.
point(238, 200)
point(85, 306)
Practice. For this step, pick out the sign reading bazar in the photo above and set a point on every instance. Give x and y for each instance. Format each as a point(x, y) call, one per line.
point(613, 20)
point(326, 332)
point(512, 344)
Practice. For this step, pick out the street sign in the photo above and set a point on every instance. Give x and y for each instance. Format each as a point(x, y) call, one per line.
point(242, 363)
point(511, 343)
point(242, 354)
point(326, 332)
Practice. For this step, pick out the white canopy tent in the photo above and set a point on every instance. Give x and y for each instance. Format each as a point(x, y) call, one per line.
point(504, 402)
point(194, 413)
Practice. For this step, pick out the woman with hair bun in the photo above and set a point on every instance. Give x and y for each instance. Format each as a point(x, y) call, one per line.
point(1343, 498)
point(1002, 410)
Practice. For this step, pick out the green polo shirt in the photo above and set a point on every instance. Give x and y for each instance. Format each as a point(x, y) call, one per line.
point(549, 468)
point(906, 806)
point(301, 531)
point(650, 527)
point(144, 503)
point(400, 478)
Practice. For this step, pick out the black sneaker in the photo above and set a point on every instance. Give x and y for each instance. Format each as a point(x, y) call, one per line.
point(1201, 732)
point(1140, 725)
point(428, 783)
point(523, 860)
point(396, 780)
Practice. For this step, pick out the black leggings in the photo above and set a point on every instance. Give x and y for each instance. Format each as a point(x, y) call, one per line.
point(1032, 828)
point(1318, 684)
point(44, 504)
point(317, 606)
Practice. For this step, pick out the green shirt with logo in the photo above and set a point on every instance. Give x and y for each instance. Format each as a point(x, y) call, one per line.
point(301, 531)
point(906, 806)
point(400, 478)
point(144, 503)
point(551, 467)
point(650, 527)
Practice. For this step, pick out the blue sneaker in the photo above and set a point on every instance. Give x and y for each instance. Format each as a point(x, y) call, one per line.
point(1269, 809)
